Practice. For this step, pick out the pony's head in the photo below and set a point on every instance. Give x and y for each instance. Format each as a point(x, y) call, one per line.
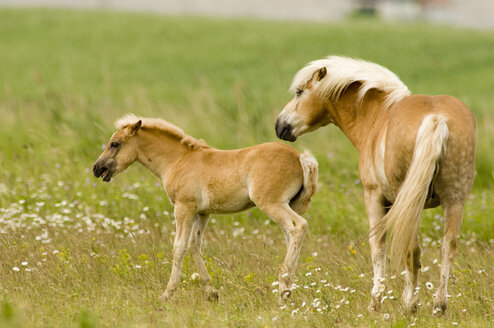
point(319, 86)
point(119, 153)
point(306, 111)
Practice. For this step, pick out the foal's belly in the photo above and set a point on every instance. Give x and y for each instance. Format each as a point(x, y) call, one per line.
point(225, 202)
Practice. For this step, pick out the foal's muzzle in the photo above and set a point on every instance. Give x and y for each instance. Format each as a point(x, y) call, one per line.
point(284, 130)
point(100, 169)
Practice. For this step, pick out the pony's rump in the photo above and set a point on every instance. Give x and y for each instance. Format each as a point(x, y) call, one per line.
point(405, 214)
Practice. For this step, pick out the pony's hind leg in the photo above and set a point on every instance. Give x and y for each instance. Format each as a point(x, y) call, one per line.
point(453, 216)
point(375, 211)
point(184, 218)
point(195, 243)
point(294, 227)
point(410, 293)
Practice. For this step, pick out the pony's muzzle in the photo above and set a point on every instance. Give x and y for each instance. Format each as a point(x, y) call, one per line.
point(284, 130)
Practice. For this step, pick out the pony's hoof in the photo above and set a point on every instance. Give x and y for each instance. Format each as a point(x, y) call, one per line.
point(374, 305)
point(212, 294)
point(439, 309)
point(411, 309)
point(410, 304)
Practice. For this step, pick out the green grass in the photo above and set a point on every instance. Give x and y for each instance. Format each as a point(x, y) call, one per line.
point(90, 254)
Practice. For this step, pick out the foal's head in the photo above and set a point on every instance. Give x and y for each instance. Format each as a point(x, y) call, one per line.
point(307, 111)
point(120, 152)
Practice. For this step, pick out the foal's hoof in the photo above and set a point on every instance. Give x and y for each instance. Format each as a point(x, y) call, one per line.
point(284, 295)
point(165, 297)
point(212, 294)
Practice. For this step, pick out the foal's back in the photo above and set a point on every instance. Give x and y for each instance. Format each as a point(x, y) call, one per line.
point(227, 181)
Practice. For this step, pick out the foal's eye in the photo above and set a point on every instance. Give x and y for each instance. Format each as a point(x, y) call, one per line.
point(114, 144)
point(299, 92)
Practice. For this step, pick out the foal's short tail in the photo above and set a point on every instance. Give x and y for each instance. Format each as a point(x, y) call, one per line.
point(301, 203)
point(404, 216)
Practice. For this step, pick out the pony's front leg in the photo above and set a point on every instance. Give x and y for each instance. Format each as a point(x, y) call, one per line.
point(453, 216)
point(295, 227)
point(195, 243)
point(184, 218)
point(375, 211)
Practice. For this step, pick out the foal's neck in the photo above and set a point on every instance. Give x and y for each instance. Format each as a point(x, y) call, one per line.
point(158, 151)
point(359, 119)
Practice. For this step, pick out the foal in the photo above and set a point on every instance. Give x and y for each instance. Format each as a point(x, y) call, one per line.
point(200, 180)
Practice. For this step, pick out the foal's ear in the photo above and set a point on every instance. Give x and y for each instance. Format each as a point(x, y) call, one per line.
point(133, 128)
point(321, 73)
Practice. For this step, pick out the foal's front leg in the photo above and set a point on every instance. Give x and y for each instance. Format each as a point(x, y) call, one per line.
point(195, 242)
point(184, 218)
point(375, 211)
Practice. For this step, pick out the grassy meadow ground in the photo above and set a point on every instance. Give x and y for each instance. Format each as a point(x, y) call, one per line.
point(76, 252)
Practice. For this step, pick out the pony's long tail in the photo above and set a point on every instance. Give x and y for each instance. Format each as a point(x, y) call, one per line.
point(310, 170)
point(404, 216)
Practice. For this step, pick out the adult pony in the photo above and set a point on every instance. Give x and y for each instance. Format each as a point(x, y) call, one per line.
point(416, 152)
point(200, 180)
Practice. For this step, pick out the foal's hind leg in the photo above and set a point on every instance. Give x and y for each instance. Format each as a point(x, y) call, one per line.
point(195, 242)
point(184, 218)
point(453, 216)
point(410, 293)
point(294, 226)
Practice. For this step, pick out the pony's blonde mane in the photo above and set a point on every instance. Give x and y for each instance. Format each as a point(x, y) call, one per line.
point(343, 71)
point(163, 126)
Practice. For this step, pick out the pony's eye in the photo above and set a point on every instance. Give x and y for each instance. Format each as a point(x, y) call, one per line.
point(114, 144)
point(299, 92)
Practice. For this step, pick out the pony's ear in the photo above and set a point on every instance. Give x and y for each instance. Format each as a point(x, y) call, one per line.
point(133, 128)
point(321, 73)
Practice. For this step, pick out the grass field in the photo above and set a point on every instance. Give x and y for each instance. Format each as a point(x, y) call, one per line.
point(75, 252)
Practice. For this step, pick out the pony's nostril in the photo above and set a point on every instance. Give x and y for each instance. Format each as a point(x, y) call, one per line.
point(280, 128)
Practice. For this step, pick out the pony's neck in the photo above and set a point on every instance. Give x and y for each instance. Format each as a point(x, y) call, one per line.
point(158, 151)
point(357, 119)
